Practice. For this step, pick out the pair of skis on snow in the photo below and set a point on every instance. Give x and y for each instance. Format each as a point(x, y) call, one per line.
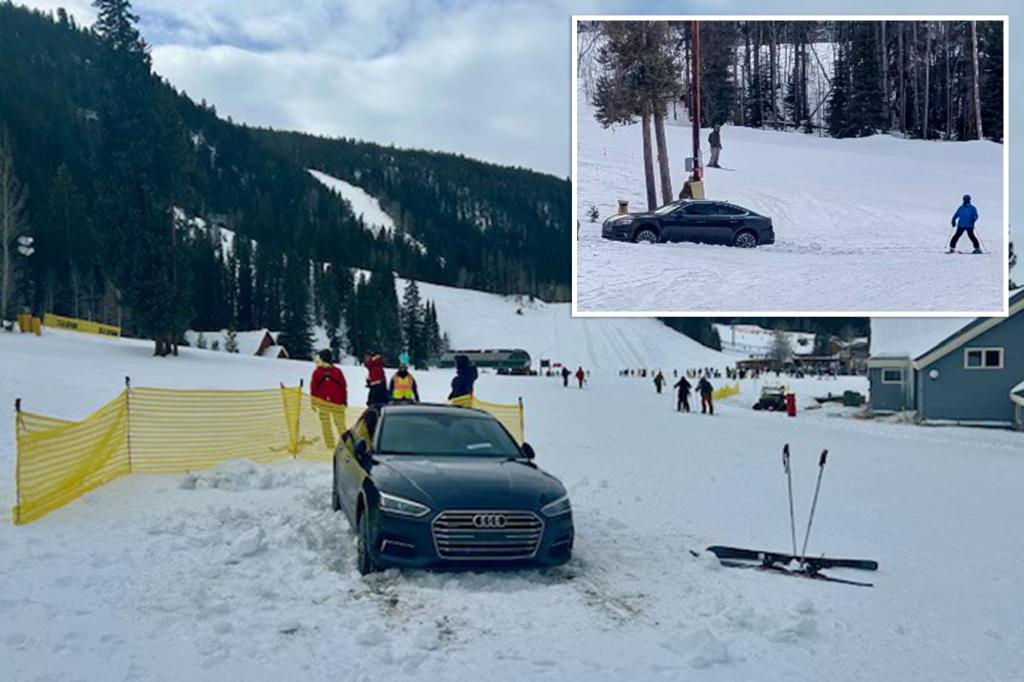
point(799, 565)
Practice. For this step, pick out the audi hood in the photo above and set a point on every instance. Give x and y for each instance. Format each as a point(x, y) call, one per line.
point(457, 482)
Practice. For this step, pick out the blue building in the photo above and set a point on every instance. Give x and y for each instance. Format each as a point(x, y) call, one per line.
point(950, 370)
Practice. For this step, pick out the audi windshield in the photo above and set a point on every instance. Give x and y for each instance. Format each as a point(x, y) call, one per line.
point(443, 434)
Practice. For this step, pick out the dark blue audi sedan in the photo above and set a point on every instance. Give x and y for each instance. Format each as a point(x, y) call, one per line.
point(693, 220)
point(439, 486)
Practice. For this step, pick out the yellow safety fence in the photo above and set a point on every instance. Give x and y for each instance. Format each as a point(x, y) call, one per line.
point(726, 391)
point(76, 325)
point(158, 430)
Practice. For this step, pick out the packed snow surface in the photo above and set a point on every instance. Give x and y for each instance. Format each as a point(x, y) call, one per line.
point(363, 203)
point(475, 320)
point(243, 572)
point(860, 224)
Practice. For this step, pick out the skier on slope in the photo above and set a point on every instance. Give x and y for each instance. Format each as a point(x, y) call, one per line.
point(330, 396)
point(706, 390)
point(964, 218)
point(465, 377)
point(683, 395)
point(580, 376)
point(565, 376)
point(659, 381)
point(375, 380)
point(715, 141)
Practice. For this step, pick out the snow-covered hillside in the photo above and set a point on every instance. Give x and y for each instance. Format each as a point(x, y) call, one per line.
point(860, 224)
point(474, 319)
point(364, 205)
point(243, 572)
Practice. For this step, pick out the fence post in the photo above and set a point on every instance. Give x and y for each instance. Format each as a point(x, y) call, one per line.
point(128, 419)
point(522, 422)
point(16, 512)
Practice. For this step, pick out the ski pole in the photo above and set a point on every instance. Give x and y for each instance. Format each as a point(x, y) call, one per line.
point(814, 503)
point(789, 484)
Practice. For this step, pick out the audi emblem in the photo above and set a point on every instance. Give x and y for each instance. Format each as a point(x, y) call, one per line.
point(490, 521)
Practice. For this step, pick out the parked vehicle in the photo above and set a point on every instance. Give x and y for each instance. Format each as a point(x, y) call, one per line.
point(773, 399)
point(439, 486)
point(693, 220)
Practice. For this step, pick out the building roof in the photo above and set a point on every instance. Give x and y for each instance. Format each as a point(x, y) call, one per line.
point(274, 352)
point(249, 342)
point(925, 339)
point(909, 337)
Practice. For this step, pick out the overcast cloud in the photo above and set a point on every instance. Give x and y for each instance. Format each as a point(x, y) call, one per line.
point(485, 78)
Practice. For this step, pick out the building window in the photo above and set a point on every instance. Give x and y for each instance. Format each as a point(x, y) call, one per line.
point(983, 358)
point(892, 376)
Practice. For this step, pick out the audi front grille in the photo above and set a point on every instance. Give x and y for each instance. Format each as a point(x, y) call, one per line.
point(487, 534)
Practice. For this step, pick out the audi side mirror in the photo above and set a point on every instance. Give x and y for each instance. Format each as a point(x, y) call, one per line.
point(362, 452)
point(528, 451)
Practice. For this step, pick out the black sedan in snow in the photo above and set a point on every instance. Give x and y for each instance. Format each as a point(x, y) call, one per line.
point(439, 486)
point(693, 220)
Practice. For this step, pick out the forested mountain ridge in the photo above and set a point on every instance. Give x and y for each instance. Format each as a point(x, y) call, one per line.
point(105, 149)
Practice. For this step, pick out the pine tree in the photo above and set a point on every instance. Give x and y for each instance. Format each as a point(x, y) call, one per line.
point(242, 255)
point(593, 214)
point(12, 220)
point(413, 323)
point(201, 341)
point(390, 341)
point(231, 341)
point(296, 327)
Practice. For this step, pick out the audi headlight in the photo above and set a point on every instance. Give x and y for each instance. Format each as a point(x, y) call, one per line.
point(621, 219)
point(559, 507)
point(393, 504)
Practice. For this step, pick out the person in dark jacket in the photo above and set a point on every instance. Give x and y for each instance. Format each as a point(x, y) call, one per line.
point(659, 381)
point(683, 395)
point(580, 376)
point(565, 376)
point(330, 396)
point(963, 220)
point(706, 390)
point(465, 377)
point(375, 380)
point(715, 141)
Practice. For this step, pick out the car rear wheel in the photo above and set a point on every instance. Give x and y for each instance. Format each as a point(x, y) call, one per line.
point(365, 561)
point(745, 240)
point(646, 235)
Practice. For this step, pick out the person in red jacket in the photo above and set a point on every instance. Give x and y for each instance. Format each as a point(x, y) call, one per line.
point(375, 380)
point(330, 396)
point(580, 376)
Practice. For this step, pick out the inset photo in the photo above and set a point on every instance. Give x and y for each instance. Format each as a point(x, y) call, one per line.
point(790, 165)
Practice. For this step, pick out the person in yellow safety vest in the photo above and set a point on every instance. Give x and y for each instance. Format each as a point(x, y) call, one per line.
point(403, 386)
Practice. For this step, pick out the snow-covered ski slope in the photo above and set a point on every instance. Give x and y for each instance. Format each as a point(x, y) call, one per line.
point(244, 573)
point(475, 319)
point(861, 225)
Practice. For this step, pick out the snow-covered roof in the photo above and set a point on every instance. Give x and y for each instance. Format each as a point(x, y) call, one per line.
point(249, 342)
point(910, 337)
point(275, 352)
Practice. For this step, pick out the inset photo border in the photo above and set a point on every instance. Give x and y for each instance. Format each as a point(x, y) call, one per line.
point(842, 149)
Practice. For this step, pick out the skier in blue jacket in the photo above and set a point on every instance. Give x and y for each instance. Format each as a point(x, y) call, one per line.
point(963, 220)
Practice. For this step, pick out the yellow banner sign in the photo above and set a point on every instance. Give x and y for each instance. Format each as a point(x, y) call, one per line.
point(75, 325)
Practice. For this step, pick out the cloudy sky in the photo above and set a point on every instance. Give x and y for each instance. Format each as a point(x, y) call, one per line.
point(486, 78)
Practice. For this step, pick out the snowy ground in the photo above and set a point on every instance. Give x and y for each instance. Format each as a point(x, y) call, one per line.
point(860, 225)
point(245, 573)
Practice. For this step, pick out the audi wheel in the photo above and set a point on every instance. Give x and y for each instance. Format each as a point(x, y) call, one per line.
point(365, 561)
point(646, 235)
point(745, 240)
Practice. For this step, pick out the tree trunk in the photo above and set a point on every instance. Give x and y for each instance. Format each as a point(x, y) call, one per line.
point(652, 193)
point(915, 70)
point(948, 85)
point(758, 75)
point(886, 112)
point(771, 74)
point(977, 84)
point(927, 76)
point(663, 167)
point(903, 80)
